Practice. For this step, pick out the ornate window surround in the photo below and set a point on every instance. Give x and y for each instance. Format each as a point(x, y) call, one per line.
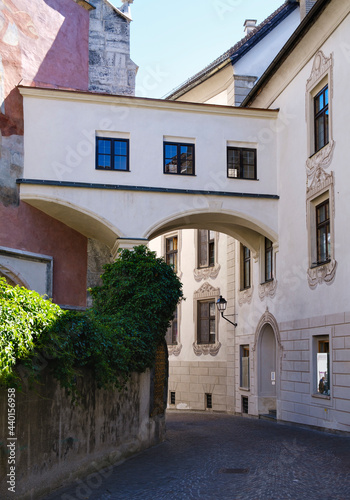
point(321, 75)
point(203, 273)
point(179, 248)
point(319, 183)
point(205, 292)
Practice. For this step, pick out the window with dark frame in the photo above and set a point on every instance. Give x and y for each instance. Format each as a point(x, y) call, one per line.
point(206, 248)
point(241, 163)
point(171, 335)
point(321, 119)
point(112, 154)
point(206, 327)
point(323, 366)
point(178, 158)
point(268, 260)
point(171, 252)
point(323, 233)
point(244, 375)
point(246, 272)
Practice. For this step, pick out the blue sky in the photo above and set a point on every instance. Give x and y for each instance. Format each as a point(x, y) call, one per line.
point(171, 40)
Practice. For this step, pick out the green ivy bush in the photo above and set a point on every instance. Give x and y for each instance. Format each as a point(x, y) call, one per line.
point(24, 317)
point(119, 335)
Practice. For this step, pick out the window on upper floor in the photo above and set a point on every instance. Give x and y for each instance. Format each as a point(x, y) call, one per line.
point(245, 268)
point(321, 119)
point(112, 154)
point(241, 163)
point(268, 260)
point(171, 252)
point(323, 233)
point(206, 322)
point(178, 158)
point(206, 248)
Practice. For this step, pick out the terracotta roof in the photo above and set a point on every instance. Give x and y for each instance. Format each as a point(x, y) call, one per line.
point(239, 49)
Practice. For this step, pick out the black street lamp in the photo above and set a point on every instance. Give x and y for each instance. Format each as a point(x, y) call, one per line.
point(221, 304)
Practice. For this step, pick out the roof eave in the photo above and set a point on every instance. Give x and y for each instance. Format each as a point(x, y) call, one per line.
point(292, 42)
point(235, 56)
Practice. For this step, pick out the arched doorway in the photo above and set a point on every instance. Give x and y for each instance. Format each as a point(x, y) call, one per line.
point(267, 370)
point(268, 348)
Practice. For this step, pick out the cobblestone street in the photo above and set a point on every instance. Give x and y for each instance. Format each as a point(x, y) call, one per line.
point(217, 457)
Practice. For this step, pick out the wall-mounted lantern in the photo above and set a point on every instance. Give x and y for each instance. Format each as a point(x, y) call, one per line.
point(221, 304)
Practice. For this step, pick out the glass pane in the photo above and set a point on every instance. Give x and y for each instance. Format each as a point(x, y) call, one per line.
point(319, 132)
point(322, 243)
point(186, 160)
point(326, 96)
point(104, 161)
point(204, 309)
point(233, 163)
point(212, 309)
point(204, 331)
point(246, 253)
point(104, 146)
point(120, 148)
point(170, 151)
point(245, 372)
point(120, 163)
point(171, 166)
point(322, 373)
point(203, 248)
point(247, 274)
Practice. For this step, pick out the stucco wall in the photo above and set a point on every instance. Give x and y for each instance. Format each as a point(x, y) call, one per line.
point(58, 442)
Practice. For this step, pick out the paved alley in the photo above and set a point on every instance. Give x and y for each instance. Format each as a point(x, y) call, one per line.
point(212, 456)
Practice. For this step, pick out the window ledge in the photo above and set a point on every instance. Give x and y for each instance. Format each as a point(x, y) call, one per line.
point(324, 273)
point(206, 272)
point(319, 264)
point(205, 349)
point(244, 389)
point(242, 179)
point(320, 396)
point(267, 289)
point(174, 349)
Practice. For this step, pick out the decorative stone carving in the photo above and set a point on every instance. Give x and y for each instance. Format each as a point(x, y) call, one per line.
point(174, 350)
point(320, 160)
point(211, 349)
point(267, 289)
point(320, 67)
point(204, 273)
point(206, 291)
point(317, 181)
point(245, 296)
point(322, 274)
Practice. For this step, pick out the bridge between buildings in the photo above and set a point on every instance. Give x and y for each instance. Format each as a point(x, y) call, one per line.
point(125, 208)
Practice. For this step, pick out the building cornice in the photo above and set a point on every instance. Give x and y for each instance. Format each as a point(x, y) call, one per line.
point(144, 102)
